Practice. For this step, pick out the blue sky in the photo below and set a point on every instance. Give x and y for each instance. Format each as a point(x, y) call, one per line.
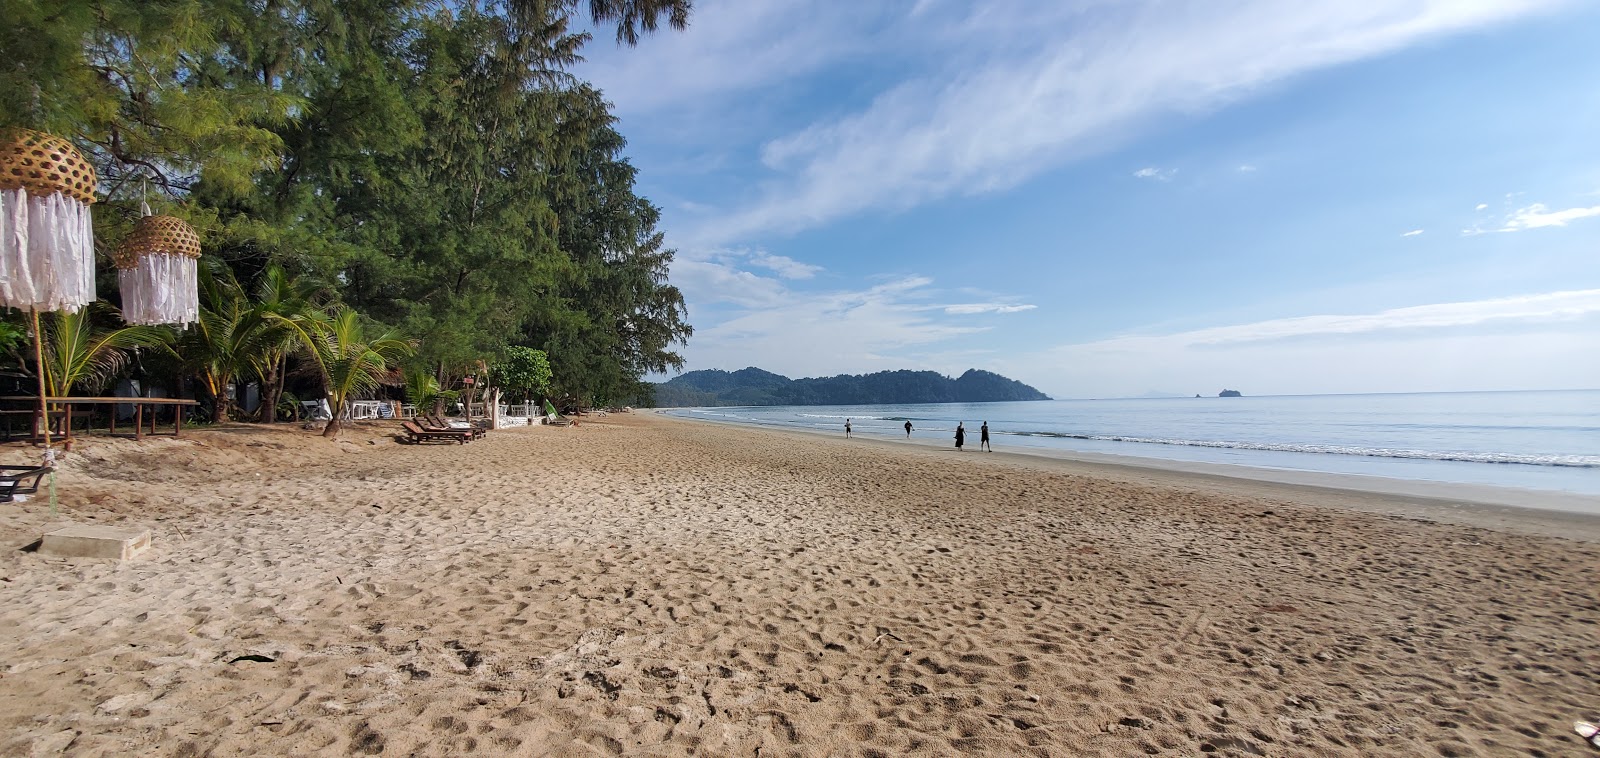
point(1108, 198)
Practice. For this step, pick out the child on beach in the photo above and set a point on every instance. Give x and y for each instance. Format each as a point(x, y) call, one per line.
point(961, 435)
point(983, 440)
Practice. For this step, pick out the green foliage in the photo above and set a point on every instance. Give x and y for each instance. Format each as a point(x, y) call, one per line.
point(351, 363)
point(524, 370)
point(91, 346)
point(423, 389)
point(227, 341)
point(433, 166)
point(289, 314)
point(12, 336)
point(286, 407)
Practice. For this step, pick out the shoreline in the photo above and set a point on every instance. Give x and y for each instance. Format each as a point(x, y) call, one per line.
point(1522, 511)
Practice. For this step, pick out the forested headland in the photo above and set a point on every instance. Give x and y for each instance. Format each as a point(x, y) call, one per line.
point(752, 386)
point(435, 173)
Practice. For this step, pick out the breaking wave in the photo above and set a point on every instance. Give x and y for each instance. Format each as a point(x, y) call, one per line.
point(1566, 461)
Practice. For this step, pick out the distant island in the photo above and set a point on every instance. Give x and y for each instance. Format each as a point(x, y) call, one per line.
point(1230, 393)
point(752, 386)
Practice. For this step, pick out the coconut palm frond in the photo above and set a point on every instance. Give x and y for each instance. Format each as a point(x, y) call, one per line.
point(77, 351)
point(351, 364)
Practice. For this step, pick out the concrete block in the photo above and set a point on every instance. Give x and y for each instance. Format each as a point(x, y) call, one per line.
point(86, 541)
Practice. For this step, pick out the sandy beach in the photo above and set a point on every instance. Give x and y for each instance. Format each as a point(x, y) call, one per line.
point(641, 585)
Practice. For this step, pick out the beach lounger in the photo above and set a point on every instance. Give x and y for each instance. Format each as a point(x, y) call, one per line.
point(20, 480)
point(480, 428)
point(420, 435)
point(436, 424)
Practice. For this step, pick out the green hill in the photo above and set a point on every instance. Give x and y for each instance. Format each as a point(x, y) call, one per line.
point(752, 386)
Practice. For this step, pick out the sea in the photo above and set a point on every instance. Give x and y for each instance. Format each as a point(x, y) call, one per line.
point(1546, 440)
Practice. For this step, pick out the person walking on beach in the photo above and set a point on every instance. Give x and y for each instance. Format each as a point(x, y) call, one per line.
point(983, 438)
point(908, 429)
point(847, 428)
point(961, 435)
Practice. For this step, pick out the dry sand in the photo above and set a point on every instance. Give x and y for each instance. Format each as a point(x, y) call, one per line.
point(648, 586)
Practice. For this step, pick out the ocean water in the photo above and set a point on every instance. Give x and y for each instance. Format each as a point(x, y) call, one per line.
point(1530, 440)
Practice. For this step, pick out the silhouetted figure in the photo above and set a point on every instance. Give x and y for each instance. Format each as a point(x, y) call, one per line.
point(983, 439)
point(847, 428)
point(908, 429)
point(961, 435)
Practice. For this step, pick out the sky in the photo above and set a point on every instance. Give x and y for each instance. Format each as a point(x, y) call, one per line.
point(1120, 198)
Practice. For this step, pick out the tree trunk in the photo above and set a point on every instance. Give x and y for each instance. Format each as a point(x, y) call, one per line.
point(335, 410)
point(271, 390)
point(221, 406)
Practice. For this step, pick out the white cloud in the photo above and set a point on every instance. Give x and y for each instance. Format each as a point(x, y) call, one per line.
point(969, 308)
point(1245, 168)
point(1151, 172)
point(1539, 341)
point(1540, 307)
point(785, 266)
point(817, 333)
point(730, 47)
point(1481, 206)
point(1034, 88)
point(1538, 216)
point(1413, 233)
point(708, 282)
point(743, 318)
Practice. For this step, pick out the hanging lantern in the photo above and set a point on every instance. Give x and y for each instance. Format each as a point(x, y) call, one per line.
point(46, 236)
point(158, 273)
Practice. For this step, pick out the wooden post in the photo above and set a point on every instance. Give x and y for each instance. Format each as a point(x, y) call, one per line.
point(38, 356)
point(177, 419)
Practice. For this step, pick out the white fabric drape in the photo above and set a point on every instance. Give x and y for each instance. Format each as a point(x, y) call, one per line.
point(46, 252)
point(160, 289)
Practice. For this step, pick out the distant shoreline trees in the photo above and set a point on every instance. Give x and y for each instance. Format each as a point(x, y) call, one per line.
point(752, 386)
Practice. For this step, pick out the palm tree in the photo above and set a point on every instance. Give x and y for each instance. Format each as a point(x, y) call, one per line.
point(423, 389)
point(227, 341)
point(78, 351)
point(288, 310)
point(351, 365)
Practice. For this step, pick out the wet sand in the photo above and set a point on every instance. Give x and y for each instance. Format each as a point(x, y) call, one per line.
point(649, 586)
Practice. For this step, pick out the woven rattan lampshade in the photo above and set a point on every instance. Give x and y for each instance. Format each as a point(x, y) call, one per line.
point(158, 235)
point(46, 235)
point(157, 272)
point(43, 164)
